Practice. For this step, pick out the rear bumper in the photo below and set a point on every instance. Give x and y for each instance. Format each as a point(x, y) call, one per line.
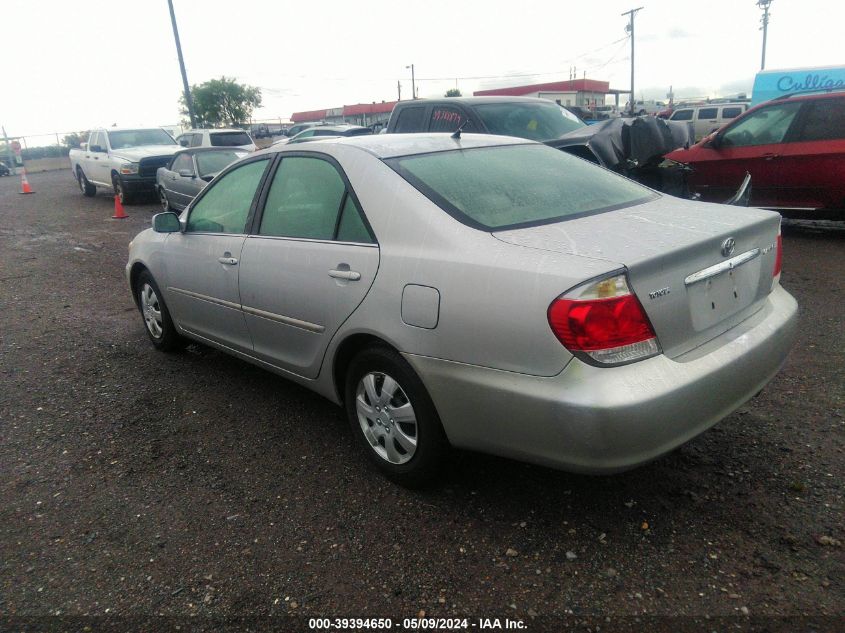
point(602, 420)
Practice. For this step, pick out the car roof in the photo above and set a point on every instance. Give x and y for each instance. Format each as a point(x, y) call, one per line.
point(223, 129)
point(821, 93)
point(198, 150)
point(475, 100)
point(392, 145)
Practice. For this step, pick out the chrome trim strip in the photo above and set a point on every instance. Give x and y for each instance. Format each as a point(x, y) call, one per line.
point(282, 238)
point(196, 295)
point(722, 267)
point(270, 316)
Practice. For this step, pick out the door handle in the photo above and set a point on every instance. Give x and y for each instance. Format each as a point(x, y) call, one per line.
point(349, 275)
point(229, 261)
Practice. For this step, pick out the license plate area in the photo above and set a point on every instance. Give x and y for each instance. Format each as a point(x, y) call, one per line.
point(722, 292)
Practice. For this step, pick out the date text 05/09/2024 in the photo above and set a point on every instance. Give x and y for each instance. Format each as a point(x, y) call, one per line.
point(415, 624)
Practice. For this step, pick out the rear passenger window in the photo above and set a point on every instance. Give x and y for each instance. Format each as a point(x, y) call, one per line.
point(708, 113)
point(445, 119)
point(304, 200)
point(225, 206)
point(682, 115)
point(410, 120)
point(731, 113)
point(352, 227)
point(825, 120)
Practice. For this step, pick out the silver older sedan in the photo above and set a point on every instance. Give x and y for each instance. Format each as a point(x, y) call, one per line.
point(479, 292)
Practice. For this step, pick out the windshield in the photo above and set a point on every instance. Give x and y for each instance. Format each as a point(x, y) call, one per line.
point(535, 121)
point(210, 163)
point(230, 139)
point(137, 138)
point(495, 188)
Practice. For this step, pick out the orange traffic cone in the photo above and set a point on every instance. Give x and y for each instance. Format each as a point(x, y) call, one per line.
point(25, 188)
point(119, 213)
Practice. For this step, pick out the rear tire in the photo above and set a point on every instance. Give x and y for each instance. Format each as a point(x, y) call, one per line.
point(88, 190)
point(156, 316)
point(393, 418)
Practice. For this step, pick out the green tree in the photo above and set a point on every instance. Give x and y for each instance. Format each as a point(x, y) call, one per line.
point(75, 139)
point(452, 92)
point(222, 102)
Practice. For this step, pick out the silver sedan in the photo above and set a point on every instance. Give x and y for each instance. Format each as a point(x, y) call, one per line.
point(476, 292)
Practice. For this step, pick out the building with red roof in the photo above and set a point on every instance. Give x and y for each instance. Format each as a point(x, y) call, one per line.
point(575, 92)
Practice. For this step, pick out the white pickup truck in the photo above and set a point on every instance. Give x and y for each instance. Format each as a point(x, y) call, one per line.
point(122, 159)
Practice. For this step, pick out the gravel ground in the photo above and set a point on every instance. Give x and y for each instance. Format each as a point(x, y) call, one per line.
point(137, 484)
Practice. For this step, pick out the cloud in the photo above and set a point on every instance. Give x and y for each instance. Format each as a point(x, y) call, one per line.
point(677, 33)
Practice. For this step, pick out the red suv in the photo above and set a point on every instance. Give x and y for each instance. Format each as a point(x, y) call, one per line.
point(793, 147)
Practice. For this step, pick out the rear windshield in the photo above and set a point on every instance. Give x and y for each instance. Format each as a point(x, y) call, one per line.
point(210, 163)
point(535, 121)
point(504, 187)
point(230, 139)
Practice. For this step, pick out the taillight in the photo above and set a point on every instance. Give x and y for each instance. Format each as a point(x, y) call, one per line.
point(605, 321)
point(778, 258)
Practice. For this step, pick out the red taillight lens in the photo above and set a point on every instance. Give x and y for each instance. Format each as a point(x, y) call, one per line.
point(604, 321)
point(598, 324)
point(778, 257)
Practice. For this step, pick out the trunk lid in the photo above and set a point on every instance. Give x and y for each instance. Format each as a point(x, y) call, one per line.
point(673, 252)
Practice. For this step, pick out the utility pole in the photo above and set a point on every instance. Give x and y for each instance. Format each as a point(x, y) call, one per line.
point(413, 85)
point(399, 89)
point(630, 29)
point(764, 4)
point(189, 102)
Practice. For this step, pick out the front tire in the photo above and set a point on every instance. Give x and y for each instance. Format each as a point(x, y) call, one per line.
point(88, 190)
point(162, 198)
point(393, 418)
point(156, 316)
point(120, 190)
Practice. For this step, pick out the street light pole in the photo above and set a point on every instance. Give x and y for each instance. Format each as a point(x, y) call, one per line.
point(413, 86)
point(764, 4)
point(189, 102)
point(630, 30)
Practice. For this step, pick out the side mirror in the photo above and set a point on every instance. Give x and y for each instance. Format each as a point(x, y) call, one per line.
point(712, 142)
point(166, 223)
point(183, 142)
point(187, 173)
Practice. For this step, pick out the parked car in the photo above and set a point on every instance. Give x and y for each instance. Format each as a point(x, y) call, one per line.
point(4, 169)
point(607, 111)
point(295, 129)
point(122, 159)
point(645, 107)
point(525, 117)
point(331, 130)
point(190, 171)
point(585, 114)
point(524, 302)
point(217, 138)
point(708, 118)
point(793, 147)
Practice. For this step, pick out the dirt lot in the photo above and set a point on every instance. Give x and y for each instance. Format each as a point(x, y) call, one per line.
point(138, 484)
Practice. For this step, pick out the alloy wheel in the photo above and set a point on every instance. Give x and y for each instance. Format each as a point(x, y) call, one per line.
point(387, 417)
point(151, 310)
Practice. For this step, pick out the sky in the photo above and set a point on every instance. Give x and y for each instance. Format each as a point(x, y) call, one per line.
point(70, 66)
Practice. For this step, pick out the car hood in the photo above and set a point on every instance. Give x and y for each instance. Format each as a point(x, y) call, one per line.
point(135, 154)
point(620, 143)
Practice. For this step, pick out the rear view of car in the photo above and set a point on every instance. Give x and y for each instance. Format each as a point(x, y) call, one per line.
point(523, 302)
